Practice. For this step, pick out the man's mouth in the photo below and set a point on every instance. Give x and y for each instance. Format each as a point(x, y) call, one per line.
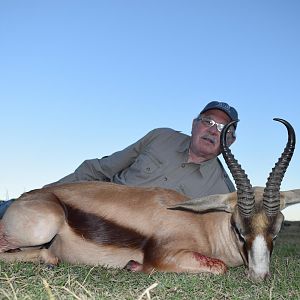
point(210, 139)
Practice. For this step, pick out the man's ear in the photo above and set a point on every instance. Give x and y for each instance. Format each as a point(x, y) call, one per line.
point(194, 124)
point(230, 139)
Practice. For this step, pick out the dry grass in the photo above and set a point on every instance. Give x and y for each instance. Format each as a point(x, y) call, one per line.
point(29, 281)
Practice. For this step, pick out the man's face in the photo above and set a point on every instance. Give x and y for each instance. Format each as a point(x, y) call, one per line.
point(205, 140)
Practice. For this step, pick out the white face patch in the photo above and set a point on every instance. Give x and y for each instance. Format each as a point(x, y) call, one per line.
point(259, 258)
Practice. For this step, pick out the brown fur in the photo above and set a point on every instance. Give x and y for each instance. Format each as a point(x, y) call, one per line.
point(101, 231)
point(106, 224)
point(103, 223)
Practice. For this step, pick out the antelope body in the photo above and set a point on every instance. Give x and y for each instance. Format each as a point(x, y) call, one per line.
point(146, 229)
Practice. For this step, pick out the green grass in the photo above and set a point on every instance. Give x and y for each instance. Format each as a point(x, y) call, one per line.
point(29, 281)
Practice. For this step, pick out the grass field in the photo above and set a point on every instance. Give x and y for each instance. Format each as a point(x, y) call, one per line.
point(29, 281)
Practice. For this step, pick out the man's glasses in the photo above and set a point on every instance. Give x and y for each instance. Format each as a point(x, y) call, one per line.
point(207, 122)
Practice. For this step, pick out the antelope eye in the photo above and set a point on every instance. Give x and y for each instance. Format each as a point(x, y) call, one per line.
point(239, 233)
point(242, 237)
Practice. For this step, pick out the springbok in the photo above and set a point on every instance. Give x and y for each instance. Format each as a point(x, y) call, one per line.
point(146, 229)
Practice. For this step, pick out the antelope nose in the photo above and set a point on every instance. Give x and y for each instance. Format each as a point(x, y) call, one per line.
point(257, 276)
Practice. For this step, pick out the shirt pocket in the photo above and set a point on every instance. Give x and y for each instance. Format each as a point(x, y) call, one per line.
point(146, 164)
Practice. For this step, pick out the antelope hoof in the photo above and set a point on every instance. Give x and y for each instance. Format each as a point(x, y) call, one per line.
point(133, 266)
point(50, 267)
point(47, 258)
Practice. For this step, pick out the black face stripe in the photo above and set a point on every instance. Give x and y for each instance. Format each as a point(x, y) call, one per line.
point(102, 231)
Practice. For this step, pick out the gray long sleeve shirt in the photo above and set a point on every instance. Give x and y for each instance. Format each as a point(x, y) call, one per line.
point(157, 159)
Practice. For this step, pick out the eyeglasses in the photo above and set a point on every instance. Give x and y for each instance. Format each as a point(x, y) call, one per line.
point(207, 122)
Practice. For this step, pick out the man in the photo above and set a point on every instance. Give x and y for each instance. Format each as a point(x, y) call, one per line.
point(170, 159)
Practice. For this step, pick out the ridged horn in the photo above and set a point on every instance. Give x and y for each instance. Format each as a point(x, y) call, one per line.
point(245, 193)
point(271, 196)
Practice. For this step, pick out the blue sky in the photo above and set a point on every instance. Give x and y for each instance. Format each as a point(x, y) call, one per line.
point(82, 79)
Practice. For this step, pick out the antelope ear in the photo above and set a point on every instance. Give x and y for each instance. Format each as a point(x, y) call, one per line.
point(288, 198)
point(220, 202)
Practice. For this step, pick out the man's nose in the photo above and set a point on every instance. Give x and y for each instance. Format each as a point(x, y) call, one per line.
point(213, 129)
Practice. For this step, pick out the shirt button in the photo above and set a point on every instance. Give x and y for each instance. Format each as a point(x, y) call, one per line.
point(165, 178)
point(147, 169)
point(182, 165)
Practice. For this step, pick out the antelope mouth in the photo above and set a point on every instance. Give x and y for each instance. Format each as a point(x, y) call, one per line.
point(257, 277)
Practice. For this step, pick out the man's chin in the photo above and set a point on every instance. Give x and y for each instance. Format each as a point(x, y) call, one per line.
point(210, 150)
point(209, 146)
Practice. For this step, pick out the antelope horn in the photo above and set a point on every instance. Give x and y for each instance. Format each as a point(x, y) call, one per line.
point(245, 193)
point(271, 196)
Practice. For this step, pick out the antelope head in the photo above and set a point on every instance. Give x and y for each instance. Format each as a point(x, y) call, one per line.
point(256, 218)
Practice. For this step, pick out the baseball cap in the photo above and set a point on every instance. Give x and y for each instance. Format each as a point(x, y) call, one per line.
point(226, 108)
